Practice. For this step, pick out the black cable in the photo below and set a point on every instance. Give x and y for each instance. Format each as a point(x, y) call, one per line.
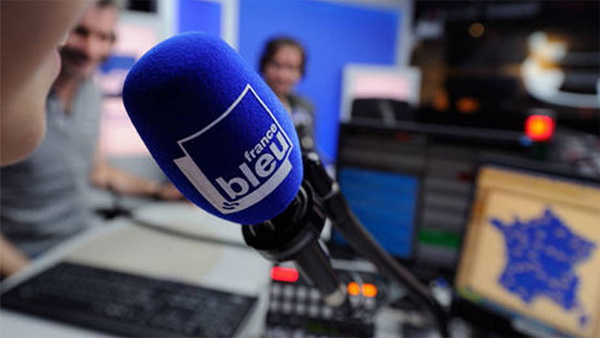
point(362, 241)
point(116, 210)
point(187, 235)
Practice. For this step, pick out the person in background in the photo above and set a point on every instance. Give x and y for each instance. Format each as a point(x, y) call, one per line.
point(44, 198)
point(282, 65)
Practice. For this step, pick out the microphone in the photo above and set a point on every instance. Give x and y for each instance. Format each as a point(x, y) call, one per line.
point(215, 128)
point(226, 142)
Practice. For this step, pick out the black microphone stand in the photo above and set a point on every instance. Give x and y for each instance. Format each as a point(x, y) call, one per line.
point(293, 235)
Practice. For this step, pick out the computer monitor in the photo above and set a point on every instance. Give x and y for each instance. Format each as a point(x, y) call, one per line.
point(531, 251)
point(382, 188)
point(388, 84)
point(385, 203)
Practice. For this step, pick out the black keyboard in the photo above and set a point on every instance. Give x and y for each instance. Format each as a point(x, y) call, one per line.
point(129, 305)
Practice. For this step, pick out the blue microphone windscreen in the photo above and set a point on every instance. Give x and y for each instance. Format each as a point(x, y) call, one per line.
point(215, 128)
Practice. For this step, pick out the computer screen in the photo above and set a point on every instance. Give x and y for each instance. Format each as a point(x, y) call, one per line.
point(531, 251)
point(380, 178)
point(385, 202)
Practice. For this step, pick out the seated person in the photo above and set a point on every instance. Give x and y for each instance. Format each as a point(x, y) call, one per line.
point(282, 65)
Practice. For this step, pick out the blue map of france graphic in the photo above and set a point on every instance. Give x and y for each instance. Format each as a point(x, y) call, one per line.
point(541, 257)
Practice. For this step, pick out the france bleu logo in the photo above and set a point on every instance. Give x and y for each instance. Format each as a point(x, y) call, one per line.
point(236, 171)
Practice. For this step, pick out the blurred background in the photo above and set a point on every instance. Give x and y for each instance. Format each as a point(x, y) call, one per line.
point(435, 117)
point(421, 89)
point(484, 64)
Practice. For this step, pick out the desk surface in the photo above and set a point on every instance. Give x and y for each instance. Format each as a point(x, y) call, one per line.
point(188, 219)
point(174, 241)
point(123, 245)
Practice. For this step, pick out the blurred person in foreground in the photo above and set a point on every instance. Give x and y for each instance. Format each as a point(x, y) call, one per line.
point(44, 198)
point(282, 65)
point(31, 32)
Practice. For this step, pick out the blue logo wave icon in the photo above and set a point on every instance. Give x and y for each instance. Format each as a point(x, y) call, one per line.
point(230, 205)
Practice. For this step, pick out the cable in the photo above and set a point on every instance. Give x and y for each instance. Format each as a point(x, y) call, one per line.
point(186, 234)
point(362, 241)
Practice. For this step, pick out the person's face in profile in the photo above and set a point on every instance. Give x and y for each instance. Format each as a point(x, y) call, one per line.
point(90, 42)
point(284, 70)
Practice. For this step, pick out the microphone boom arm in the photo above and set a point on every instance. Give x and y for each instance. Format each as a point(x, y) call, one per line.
point(344, 221)
point(293, 235)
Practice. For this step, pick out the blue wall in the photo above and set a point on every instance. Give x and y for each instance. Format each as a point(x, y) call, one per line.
point(334, 34)
point(194, 15)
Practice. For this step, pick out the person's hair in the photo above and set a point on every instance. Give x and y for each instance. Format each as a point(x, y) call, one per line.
point(118, 4)
point(274, 44)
